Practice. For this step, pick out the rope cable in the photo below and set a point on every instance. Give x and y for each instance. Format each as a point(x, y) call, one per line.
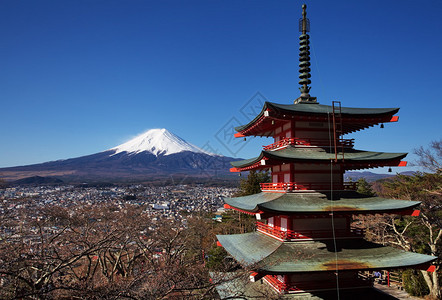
point(331, 176)
point(332, 211)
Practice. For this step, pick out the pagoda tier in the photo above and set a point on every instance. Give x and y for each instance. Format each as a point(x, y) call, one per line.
point(318, 203)
point(349, 159)
point(320, 285)
point(274, 115)
point(267, 255)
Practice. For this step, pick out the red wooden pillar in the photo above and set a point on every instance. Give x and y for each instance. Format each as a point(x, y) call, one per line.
point(388, 278)
point(286, 283)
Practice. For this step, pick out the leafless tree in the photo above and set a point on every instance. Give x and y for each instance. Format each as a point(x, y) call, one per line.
point(430, 158)
point(423, 233)
point(104, 252)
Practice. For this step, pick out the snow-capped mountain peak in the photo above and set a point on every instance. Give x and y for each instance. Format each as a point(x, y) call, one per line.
point(158, 142)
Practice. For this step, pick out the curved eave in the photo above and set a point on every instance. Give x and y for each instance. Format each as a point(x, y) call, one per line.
point(247, 162)
point(318, 203)
point(259, 116)
point(318, 154)
point(292, 154)
point(271, 256)
point(353, 119)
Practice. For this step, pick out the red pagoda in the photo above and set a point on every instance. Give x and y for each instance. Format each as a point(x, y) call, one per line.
point(304, 241)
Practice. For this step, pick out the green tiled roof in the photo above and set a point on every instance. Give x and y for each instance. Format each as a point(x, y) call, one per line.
point(347, 202)
point(324, 109)
point(296, 154)
point(266, 254)
point(236, 286)
point(314, 108)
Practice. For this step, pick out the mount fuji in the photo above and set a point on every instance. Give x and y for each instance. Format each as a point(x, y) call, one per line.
point(153, 155)
point(158, 142)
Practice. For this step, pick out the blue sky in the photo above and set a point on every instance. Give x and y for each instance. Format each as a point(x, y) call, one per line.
point(79, 77)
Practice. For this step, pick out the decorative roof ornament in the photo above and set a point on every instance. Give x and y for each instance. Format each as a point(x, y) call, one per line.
point(304, 59)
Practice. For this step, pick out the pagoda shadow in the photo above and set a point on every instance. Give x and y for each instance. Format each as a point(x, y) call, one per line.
point(339, 245)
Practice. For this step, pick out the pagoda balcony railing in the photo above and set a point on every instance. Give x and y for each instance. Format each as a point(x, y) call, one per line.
point(283, 287)
point(287, 235)
point(293, 186)
point(276, 283)
point(346, 143)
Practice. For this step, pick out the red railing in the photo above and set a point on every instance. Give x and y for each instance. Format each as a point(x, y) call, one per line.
point(293, 287)
point(276, 283)
point(282, 235)
point(293, 186)
point(347, 143)
point(307, 234)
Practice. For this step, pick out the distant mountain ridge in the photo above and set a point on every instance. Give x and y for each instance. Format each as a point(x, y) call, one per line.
point(38, 180)
point(157, 153)
point(370, 176)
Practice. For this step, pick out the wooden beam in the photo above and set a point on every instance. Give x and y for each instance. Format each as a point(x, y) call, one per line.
point(426, 267)
point(410, 212)
point(255, 276)
point(402, 163)
point(394, 119)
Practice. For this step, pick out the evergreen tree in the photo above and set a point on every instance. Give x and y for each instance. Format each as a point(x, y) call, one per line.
point(364, 187)
point(250, 185)
point(414, 283)
point(216, 259)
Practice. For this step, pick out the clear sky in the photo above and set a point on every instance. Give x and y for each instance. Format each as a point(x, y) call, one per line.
point(79, 77)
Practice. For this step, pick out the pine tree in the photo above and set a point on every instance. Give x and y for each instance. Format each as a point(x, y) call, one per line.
point(364, 187)
point(250, 185)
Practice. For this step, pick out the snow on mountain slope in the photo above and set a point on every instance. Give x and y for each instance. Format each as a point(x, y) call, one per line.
point(157, 142)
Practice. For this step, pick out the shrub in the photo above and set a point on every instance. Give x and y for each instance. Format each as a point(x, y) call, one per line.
point(414, 283)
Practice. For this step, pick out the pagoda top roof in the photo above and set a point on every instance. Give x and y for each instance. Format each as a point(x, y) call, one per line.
point(266, 254)
point(316, 108)
point(316, 154)
point(377, 115)
point(316, 202)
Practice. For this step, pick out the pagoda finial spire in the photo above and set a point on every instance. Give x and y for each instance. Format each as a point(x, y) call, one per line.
point(304, 29)
point(304, 58)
